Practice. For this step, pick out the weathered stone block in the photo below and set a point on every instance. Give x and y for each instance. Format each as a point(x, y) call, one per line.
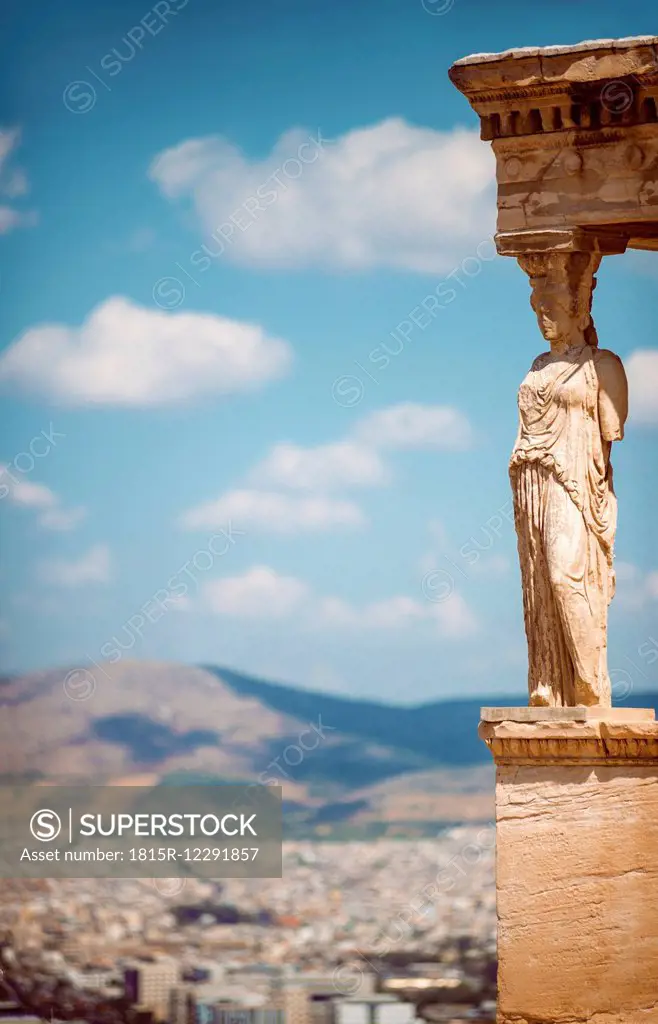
point(577, 870)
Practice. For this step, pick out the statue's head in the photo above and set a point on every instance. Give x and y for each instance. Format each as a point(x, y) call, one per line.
point(562, 289)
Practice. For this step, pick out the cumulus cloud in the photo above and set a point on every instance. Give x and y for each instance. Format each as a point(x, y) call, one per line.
point(356, 461)
point(642, 372)
point(59, 518)
point(387, 195)
point(636, 588)
point(390, 613)
point(32, 495)
point(410, 425)
point(321, 468)
point(13, 184)
point(92, 567)
point(272, 501)
point(261, 593)
point(128, 355)
point(272, 512)
point(452, 618)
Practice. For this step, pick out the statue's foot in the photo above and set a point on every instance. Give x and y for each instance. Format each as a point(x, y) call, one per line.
point(587, 696)
point(541, 697)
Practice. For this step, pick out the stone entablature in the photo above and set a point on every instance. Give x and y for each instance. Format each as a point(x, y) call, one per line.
point(575, 134)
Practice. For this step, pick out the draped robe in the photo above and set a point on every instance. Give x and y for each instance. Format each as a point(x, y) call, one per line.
point(572, 405)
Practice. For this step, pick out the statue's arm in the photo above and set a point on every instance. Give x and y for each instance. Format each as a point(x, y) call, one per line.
point(613, 395)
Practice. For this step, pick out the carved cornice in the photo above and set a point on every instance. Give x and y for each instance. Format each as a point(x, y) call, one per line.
point(567, 67)
point(594, 742)
point(575, 133)
point(556, 90)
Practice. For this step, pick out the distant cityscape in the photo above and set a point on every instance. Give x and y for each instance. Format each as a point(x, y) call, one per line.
point(382, 932)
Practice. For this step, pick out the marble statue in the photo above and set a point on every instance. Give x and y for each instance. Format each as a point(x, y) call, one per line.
point(572, 405)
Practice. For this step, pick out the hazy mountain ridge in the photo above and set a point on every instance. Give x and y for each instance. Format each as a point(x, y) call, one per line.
point(338, 759)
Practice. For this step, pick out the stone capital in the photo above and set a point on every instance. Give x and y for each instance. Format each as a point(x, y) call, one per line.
point(599, 241)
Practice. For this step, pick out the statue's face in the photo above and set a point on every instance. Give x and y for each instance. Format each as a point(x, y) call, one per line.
point(554, 318)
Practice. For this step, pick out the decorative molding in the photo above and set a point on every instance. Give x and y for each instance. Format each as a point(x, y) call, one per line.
point(572, 743)
point(566, 239)
point(639, 106)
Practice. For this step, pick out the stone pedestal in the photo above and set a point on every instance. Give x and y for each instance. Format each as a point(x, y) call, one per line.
point(576, 864)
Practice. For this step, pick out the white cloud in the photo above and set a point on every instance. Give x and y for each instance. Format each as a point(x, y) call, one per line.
point(260, 593)
point(410, 425)
point(452, 617)
point(13, 184)
point(128, 355)
point(388, 195)
point(352, 462)
point(323, 468)
point(271, 512)
point(26, 492)
point(642, 372)
point(58, 518)
point(491, 565)
point(390, 613)
point(9, 219)
point(92, 567)
point(8, 141)
point(30, 494)
point(355, 461)
point(636, 588)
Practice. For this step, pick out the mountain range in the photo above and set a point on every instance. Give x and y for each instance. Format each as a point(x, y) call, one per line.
point(346, 766)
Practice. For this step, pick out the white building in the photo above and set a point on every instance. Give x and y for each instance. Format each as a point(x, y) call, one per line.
point(149, 984)
point(374, 1009)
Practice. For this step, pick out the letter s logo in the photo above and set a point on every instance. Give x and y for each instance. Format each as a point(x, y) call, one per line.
point(45, 825)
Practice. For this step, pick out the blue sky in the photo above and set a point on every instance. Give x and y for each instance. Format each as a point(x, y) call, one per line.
point(285, 452)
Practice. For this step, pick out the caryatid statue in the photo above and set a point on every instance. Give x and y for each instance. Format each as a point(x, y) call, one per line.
point(572, 405)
